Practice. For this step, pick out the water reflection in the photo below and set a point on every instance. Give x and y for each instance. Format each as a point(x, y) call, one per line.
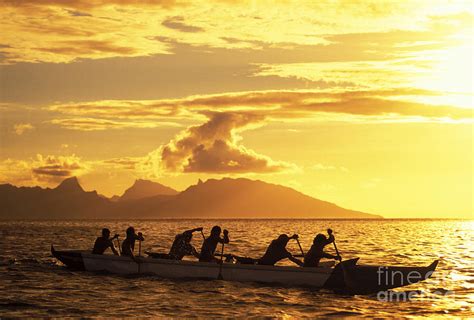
point(34, 285)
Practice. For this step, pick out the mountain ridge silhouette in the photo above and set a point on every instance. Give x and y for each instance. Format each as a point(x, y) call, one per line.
point(146, 188)
point(223, 198)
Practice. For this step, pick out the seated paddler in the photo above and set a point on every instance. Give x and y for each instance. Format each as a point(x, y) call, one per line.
point(209, 245)
point(276, 251)
point(104, 242)
point(316, 253)
point(182, 245)
point(128, 245)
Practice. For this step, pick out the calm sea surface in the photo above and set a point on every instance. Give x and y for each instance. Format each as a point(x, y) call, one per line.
point(33, 284)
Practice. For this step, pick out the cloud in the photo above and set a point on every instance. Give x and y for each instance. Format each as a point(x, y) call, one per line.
point(92, 124)
point(227, 25)
point(52, 31)
point(42, 170)
point(393, 103)
point(49, 170)
point(214, 147)
point(181, 67)
point(369, 106)
point(87, 47)
point(15, 171)
point(76, 13)
point(126, 109)
point(127, 163)
point(21, 128)
point(340, 105)
point(66, 31)
point(177, 23)
point(324, 167)
point(88, 3)
point(56, 168)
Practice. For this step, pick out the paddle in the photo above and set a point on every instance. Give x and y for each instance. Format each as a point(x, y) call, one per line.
point(219, 276)
point(118, 243)
point(203, 237)
point(348, 279)
point(140, 237)
point(299, 245)
point(225, 255)
point(137, 259)
point(335, 246)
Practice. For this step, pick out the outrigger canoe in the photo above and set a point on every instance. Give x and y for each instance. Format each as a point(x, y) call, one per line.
point(347, 276)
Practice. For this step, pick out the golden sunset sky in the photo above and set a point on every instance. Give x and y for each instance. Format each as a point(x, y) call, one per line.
point(367, 104)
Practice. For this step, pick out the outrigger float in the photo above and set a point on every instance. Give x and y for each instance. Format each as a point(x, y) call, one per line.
point(347, 276)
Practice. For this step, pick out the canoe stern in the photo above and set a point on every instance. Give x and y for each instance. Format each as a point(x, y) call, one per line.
point(371, 279)
point(72, 259)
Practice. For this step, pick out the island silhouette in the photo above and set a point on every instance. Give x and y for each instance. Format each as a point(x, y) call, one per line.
point(224, 198)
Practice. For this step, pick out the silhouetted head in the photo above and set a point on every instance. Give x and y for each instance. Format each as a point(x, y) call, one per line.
point(283, 239)
point(130, 232)
point(188, 236)
point(105, 233)
point(215, 231)
point(320, 238)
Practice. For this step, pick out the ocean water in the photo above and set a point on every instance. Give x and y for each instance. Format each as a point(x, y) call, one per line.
point(34, 284)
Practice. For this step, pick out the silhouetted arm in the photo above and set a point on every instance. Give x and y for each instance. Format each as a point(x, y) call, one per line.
point(223, 240)
point(112, 247)
point(329, 240)
point(139, 237)
point(195, 253)
point(288, 255)
point(329, 256)
point(226, 237)
point(297, 261)
point(127, 249)
point(134, 258)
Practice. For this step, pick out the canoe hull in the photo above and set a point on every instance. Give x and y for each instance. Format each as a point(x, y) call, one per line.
point(71, 258)
point(314, 277)
point(370, 279)
point(346, 277)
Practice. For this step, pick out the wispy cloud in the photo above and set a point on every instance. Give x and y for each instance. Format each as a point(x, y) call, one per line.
point(94, 124)
point(88, 3)
point(227, 25)
point(126, 163)
point(86, 47)
point(43, 170)
point(179, 24)
point(76, 13)
point(56, 168)
point(324, 167)
point(21, 128)
point(370, 105)
point(49, 170)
